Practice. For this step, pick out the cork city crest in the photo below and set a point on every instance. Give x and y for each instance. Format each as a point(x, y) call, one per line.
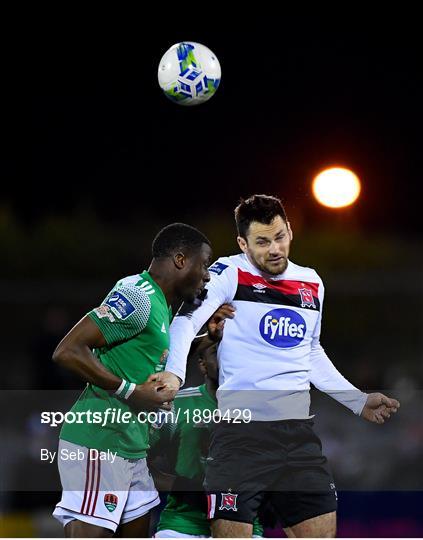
point(110, 501)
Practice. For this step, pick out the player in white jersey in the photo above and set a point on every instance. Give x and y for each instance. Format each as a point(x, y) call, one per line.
point(269, 355)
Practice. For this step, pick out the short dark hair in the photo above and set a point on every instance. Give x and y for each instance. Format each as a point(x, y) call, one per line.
point(177, 237)
point(261, 208)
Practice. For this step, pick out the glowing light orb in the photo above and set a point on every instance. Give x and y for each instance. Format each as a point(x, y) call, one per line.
point(336, 187)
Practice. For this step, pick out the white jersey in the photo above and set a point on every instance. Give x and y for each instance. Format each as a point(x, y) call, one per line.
point(270, 351)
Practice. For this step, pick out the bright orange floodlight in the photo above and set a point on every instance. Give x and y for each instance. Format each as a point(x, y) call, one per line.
point(336, 187)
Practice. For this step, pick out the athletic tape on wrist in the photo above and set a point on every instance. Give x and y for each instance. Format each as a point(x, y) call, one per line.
point(118, 392)
point(130, 390)
point(125, 389)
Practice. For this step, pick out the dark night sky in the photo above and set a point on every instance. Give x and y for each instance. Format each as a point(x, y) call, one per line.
point(297, 94)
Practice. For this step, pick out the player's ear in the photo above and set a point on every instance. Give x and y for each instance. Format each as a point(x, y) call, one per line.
point(242, 243)
point(179, 260)
point(291, 234)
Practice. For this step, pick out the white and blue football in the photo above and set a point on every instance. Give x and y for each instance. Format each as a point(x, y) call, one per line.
point(189, 73)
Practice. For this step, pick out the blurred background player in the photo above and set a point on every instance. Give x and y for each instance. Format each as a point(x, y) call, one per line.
point(185, 445)
point(269, 355)
point(115, 348)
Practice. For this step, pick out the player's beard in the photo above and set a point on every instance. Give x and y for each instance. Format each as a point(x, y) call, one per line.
point(279, 269)
point(273, 270)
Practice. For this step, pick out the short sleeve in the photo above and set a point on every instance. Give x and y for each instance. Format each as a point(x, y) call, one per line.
point(123, 314)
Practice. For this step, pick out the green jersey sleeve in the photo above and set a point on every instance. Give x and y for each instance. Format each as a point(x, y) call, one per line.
point(123, 314)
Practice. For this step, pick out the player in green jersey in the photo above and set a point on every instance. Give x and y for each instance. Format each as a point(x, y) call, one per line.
point(184, 439)
point(184, 444)
point(116, 348)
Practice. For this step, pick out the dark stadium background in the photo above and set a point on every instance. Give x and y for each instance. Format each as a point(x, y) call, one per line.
point(96, 160)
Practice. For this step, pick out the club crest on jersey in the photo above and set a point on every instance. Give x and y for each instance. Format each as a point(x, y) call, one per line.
point(218, 268)
point(164, 356)
point(120, 305)
point(307, 299)
point(110, 501)
point(283, 328)
point(228, 501)
point(162, 362)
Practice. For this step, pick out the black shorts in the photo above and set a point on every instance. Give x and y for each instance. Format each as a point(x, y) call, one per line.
point(279, 462)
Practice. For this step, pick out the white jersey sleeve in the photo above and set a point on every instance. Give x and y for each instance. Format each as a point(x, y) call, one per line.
point(324, 375)
point(221, 289)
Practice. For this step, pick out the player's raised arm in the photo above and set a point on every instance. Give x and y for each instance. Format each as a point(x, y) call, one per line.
point(185, 326)
point(212, 332)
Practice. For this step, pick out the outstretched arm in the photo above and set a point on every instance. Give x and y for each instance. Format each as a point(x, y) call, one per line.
point(375, 407)
point(324, 376)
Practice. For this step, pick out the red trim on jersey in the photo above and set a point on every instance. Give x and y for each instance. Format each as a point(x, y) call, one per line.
point(285, 286)
point(87, 476)
point(97, 486)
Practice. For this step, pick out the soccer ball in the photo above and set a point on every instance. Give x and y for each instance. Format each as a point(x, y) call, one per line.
point(189, 73)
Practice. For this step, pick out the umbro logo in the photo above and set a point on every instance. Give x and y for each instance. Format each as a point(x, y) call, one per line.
point(259, 287)
point(163, 328)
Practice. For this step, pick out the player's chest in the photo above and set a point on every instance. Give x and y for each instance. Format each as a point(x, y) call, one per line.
point(294, 293)
point(282, 314)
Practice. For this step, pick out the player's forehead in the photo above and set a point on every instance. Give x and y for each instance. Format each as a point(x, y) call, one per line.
point(267, 230)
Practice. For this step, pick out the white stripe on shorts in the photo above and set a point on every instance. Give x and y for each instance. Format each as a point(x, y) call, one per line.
point(211, 505)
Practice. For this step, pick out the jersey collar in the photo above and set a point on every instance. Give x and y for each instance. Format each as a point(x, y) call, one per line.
point(146, 275)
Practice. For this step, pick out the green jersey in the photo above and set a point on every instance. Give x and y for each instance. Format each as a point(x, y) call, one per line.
point(186, 444)
point(134, 320)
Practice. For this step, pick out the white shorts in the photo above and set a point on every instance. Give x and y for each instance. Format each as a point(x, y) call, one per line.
point(102, 492)
point(168, 533)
